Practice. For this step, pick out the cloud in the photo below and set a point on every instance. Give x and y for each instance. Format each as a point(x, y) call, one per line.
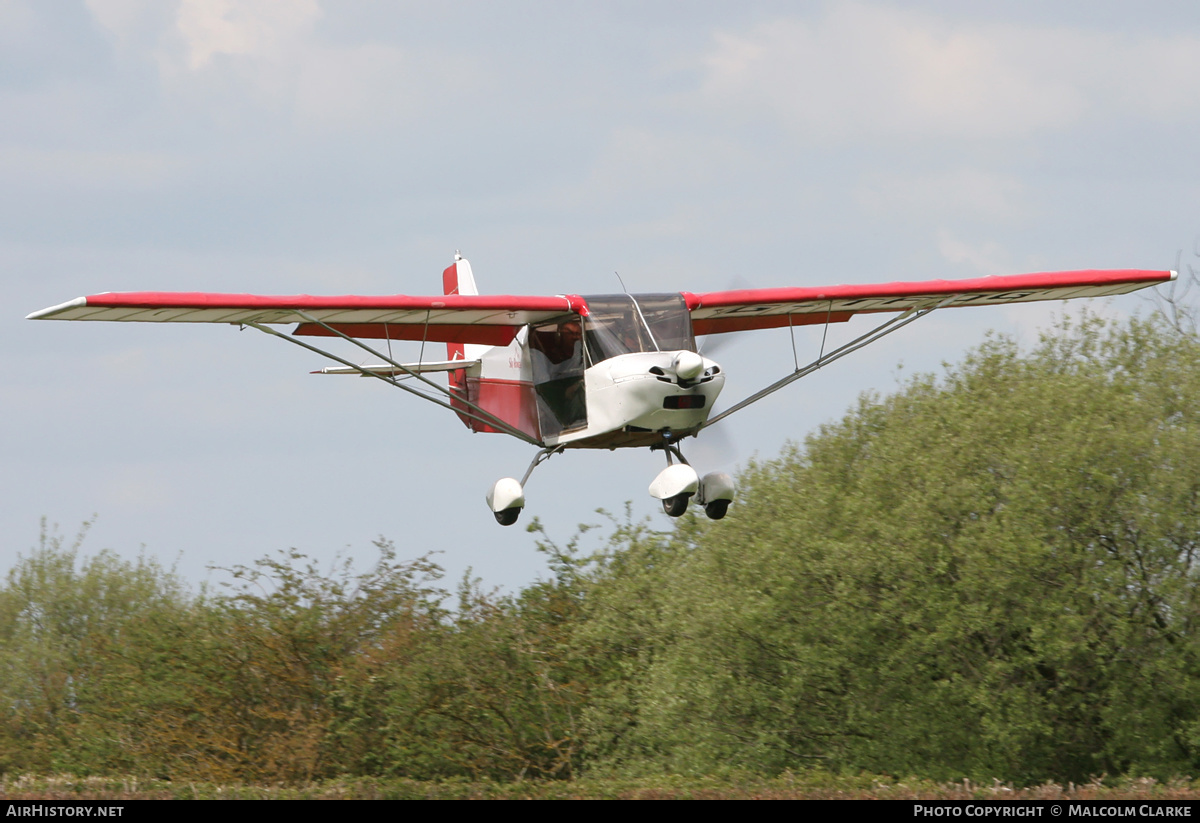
point(265, 55)
point(135, 485)
point(864, 72)
point(64, 169)
point(256, 28)
point(660, 162)
point(951, 192)
point(987, 258)
point(131, 23)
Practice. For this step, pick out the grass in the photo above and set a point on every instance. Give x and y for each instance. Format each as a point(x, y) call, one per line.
point(789, 786)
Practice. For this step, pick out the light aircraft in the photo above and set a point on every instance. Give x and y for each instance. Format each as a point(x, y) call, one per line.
point(596, 372)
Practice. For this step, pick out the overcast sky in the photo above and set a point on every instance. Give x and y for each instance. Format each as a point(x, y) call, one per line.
point(352, 147)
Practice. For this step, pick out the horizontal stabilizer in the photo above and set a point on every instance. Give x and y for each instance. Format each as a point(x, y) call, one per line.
point(407, 368)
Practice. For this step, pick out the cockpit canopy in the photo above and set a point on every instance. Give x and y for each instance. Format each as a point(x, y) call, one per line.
point(623, 323)
point(616, 324)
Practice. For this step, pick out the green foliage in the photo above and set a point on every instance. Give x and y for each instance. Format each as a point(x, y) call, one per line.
point(272, 655)
point(493, 691)
point(987, 575)
point(815, 784)
point(991, 575)
point(71, 630)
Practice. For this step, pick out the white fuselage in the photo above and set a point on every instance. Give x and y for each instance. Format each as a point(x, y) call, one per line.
point(626, 373)
point(633, 399)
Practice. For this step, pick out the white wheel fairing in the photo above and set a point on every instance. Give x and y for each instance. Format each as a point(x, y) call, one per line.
point(506, 493)
point(674, 481)
point(716, 486)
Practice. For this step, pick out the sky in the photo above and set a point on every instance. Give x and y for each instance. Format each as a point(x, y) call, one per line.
point(352, 147)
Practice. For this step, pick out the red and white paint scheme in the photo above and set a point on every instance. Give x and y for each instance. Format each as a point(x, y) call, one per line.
point(602, 371)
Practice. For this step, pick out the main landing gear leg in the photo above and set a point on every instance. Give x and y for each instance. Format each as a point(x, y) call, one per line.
point(506, 498)
point(678, 483)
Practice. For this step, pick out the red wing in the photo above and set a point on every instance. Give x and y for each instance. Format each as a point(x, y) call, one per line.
point(746, 309)
point(487, 319)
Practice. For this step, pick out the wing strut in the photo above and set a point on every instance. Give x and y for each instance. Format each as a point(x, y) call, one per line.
point(895, 324)
point(475, 413)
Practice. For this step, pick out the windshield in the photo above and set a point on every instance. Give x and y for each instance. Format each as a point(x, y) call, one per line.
point(623, 323)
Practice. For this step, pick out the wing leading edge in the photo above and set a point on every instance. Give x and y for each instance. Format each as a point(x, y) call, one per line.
point(495, 319)
point(487, 319)
point(746, 309)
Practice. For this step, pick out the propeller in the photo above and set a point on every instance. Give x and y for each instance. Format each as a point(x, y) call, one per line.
point(715, 447)
point(710, 344)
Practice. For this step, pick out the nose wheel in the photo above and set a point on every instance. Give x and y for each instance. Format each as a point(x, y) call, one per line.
point(678, 483)
point(675, 506)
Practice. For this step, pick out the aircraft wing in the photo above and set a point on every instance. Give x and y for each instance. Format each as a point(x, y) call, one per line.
point(486, 319)
point(745, 309)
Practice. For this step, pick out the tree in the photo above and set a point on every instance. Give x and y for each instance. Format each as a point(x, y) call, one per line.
point(990, 575)
point(493, 691)
point(274, 657)
point(72, 630)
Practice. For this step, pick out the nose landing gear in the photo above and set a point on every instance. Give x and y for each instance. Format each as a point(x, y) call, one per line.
point(678, 483)
point(674, 486)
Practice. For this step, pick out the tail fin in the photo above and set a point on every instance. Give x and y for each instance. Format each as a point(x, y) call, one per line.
point(507, 400)
point(458, 279)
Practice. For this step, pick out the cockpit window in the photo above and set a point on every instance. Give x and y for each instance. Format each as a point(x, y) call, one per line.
point(556, 355)
point(615, 326)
